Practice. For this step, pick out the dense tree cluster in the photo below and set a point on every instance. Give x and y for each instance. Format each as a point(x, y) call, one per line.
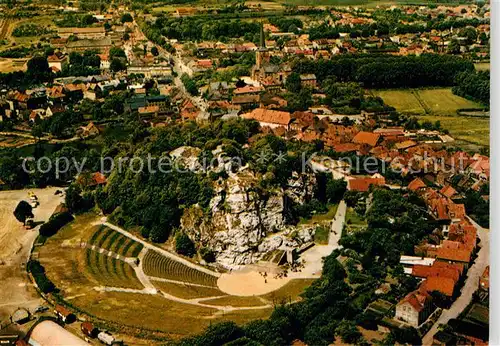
point(473, 85)
point(189, 84)
point(287, 24)
point(82, 64)
point(55, 223)
point(30, 29)
point(38, 272)
point(195, 29)
point(23, 211)
point(386, 71)
point(16, 52)
point(395, 225)
point(76, 20)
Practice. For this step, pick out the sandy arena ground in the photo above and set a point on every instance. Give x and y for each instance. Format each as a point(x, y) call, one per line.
point(15, 244)
point(248, 282)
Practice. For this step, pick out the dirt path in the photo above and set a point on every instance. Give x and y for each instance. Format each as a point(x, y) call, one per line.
point(471, 285)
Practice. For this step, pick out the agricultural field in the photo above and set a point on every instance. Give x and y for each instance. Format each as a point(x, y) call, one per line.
point(440, 101)
point(474, 130)
point(443, 101)
point(42, 21)
point(405, 101)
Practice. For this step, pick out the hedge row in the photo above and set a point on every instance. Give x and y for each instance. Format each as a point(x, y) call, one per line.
point(55, 223)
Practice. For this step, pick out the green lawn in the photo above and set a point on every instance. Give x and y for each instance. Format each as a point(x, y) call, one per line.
point(443, 101)
point(354, 221)
point(320, 218)
point(438, 101)
point(404, 100)
point(469, 129)
point(321, 235)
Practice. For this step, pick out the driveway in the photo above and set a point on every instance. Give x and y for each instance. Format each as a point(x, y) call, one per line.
point(471, 284)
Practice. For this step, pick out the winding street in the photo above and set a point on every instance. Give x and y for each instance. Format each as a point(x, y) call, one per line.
point(471, 284)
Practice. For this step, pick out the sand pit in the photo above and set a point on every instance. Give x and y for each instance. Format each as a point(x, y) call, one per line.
point(248, 282)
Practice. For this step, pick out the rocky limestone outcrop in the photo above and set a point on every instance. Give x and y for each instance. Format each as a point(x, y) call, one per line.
point(242, 219)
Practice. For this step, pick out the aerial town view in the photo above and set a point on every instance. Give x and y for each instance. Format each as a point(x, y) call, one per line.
point(231, 172)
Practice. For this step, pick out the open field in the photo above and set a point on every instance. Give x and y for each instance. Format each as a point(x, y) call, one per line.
point(473, 130)
point(12, 65)
point(147, 311)
point(443, 101)
point(319, 218)
point(321, 235)
point(404, 101)
point(289, 292)
point(440, 101)
point(236, 301)
point(187, 291)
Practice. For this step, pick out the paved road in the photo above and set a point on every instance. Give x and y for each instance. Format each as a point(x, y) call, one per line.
point(179, 68)
point(314, 256)
point(337, 225)
point(471, 284)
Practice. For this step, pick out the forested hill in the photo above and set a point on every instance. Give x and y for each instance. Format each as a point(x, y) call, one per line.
point(388, 71)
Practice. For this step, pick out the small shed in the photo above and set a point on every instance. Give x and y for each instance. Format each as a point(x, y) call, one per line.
point(64, 314)
point(89, 329)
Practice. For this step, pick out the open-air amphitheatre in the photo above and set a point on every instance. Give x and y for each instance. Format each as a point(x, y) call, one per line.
point(112, 276)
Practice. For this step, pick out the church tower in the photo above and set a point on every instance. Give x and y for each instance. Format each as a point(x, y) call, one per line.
point(259, 55)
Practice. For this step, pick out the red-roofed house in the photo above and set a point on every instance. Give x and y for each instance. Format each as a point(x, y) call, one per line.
point(438, 269)
point(454, 252)
point(448, 191)
point(363, 184)
point(415, 308)
point(416, 184)
point(369, 138)
point(58, 61)
point(270, 118)
point(441, 284)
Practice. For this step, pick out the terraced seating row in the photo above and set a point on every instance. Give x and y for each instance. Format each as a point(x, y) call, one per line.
point(116, 242)
point(160, 266)
point(109, 271)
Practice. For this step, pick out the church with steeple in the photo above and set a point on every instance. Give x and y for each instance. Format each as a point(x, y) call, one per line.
point(271, 76)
